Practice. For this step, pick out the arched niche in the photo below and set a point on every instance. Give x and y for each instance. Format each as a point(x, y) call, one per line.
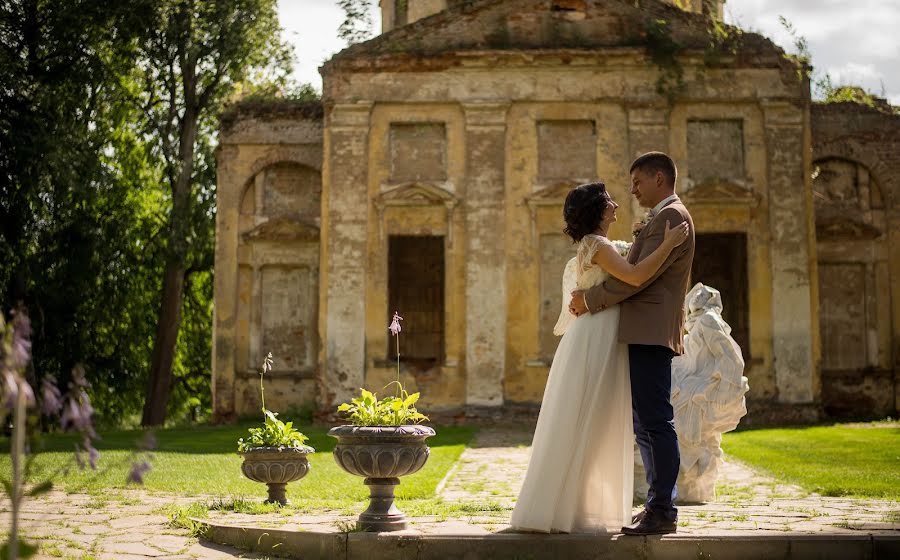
point(848, 200)
point(853, 273)
point(283, 188)
point(278, 270)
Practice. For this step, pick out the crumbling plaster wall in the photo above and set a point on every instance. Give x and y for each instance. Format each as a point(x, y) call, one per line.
point(860, 240)
point(505, 206)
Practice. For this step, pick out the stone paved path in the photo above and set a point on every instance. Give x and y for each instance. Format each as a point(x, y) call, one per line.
point(130, 525)
point(482, 486)
point(492, 469)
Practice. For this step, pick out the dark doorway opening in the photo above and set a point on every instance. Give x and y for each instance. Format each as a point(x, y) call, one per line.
point(720, 262)
point(416, 292)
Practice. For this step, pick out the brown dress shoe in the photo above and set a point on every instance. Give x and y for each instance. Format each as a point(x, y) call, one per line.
point(651, 523)
point(637, 517)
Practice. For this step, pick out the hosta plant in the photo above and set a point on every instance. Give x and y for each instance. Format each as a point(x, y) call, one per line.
point(368, 410)
point(274, 432)
point(274, 454)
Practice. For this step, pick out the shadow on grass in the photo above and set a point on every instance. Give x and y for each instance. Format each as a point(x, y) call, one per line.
point(216, 439)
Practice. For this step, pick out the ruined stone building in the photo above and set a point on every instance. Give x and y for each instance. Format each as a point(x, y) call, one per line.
point(430, 181)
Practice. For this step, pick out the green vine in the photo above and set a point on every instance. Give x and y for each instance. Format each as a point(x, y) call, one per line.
point(664, 51)
point(722, 42)
point(802, 58)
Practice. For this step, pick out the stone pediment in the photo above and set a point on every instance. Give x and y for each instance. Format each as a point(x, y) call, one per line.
point(416, 194)
point(842, 228)
point(284, 227)
point(553, 194)
point(508, 25)
point(720, 193)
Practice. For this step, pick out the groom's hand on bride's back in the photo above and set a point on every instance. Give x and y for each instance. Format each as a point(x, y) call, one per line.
point(577, 306)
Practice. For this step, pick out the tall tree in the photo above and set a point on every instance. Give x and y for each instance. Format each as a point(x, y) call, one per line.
point(76, 220)
point(197, 53)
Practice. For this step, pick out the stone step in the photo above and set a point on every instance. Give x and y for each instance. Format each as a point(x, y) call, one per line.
point(411, 545)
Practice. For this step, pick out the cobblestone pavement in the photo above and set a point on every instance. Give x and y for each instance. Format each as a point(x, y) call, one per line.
point(482, 487)
point(492, 469)
point(130, 525)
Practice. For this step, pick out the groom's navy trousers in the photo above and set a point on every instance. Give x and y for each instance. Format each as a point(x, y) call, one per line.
point(654, 424)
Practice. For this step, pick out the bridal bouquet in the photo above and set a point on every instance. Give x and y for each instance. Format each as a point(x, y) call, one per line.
point(622, 247)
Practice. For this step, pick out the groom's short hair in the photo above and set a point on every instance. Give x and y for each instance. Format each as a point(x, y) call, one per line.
point(653, 162)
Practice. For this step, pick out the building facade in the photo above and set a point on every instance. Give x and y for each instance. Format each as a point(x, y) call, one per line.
point(430, 181)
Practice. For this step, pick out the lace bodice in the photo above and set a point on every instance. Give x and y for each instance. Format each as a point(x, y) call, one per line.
point(588, 274)
point(580, 274)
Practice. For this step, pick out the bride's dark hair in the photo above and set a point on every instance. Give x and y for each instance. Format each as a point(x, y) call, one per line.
point(583, 210)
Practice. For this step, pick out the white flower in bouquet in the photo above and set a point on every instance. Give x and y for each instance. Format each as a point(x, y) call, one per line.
point(622, 247)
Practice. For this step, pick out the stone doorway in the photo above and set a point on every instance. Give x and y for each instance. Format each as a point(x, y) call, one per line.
point(720, 261)
point(416, 291)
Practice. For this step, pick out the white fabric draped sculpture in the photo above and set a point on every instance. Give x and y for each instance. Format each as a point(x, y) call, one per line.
point(708, 388)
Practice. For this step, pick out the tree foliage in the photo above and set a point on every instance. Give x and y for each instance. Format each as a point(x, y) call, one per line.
point(97, 128)
point(197, 54)
point(357, 24)
point(78, 209)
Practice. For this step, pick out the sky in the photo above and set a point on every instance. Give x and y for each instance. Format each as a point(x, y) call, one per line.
point(854, 41)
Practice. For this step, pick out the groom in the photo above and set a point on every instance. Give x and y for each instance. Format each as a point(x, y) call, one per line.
point(651, 321)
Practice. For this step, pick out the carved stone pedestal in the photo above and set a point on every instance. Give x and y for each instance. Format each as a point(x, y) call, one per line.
point(276, 467)
point(382, 454)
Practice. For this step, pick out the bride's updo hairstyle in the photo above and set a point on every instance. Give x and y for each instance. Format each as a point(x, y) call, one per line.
point(583, 210)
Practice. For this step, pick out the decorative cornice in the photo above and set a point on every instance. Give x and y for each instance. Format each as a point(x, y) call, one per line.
point(349, 115)
point(416, 193)
point(486, 115)
point(552, 194)
point(283, 227)
point(549, 195)
point(720, 192)
point(841, 228)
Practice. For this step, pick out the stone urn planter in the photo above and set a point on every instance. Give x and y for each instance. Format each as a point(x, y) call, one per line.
point(276, 467)
point(381, 454)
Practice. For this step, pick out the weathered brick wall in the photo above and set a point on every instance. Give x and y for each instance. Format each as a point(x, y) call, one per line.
point(268, 212)
point(427, 131)
point(856, 152)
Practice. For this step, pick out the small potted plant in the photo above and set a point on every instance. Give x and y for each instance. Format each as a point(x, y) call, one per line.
point(274, 454)
point(382, 443)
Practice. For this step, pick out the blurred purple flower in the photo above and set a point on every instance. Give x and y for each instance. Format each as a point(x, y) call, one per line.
point(395, 324)
point(51, 399)
point(11, 385)
point(77, 411)
point(77, 414)
point(21, 342)
point(138, 470)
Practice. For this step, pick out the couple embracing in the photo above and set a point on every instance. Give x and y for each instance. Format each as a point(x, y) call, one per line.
point(611, 376)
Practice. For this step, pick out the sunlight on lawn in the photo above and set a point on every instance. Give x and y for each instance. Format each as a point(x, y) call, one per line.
point(859, 460)
point(203, 461)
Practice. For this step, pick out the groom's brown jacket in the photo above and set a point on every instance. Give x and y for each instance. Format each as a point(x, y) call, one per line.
point(652, 313)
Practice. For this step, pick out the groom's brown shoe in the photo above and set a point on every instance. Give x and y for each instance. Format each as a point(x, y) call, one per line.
point(636, 518)
point(651, 523)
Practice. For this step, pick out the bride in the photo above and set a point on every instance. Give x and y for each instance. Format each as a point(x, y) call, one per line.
point(580, 475)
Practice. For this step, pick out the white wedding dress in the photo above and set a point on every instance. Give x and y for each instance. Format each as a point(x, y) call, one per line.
point(581, 472)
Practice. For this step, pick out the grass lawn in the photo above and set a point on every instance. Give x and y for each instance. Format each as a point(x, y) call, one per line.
point(203, 461)
point(856, 460)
